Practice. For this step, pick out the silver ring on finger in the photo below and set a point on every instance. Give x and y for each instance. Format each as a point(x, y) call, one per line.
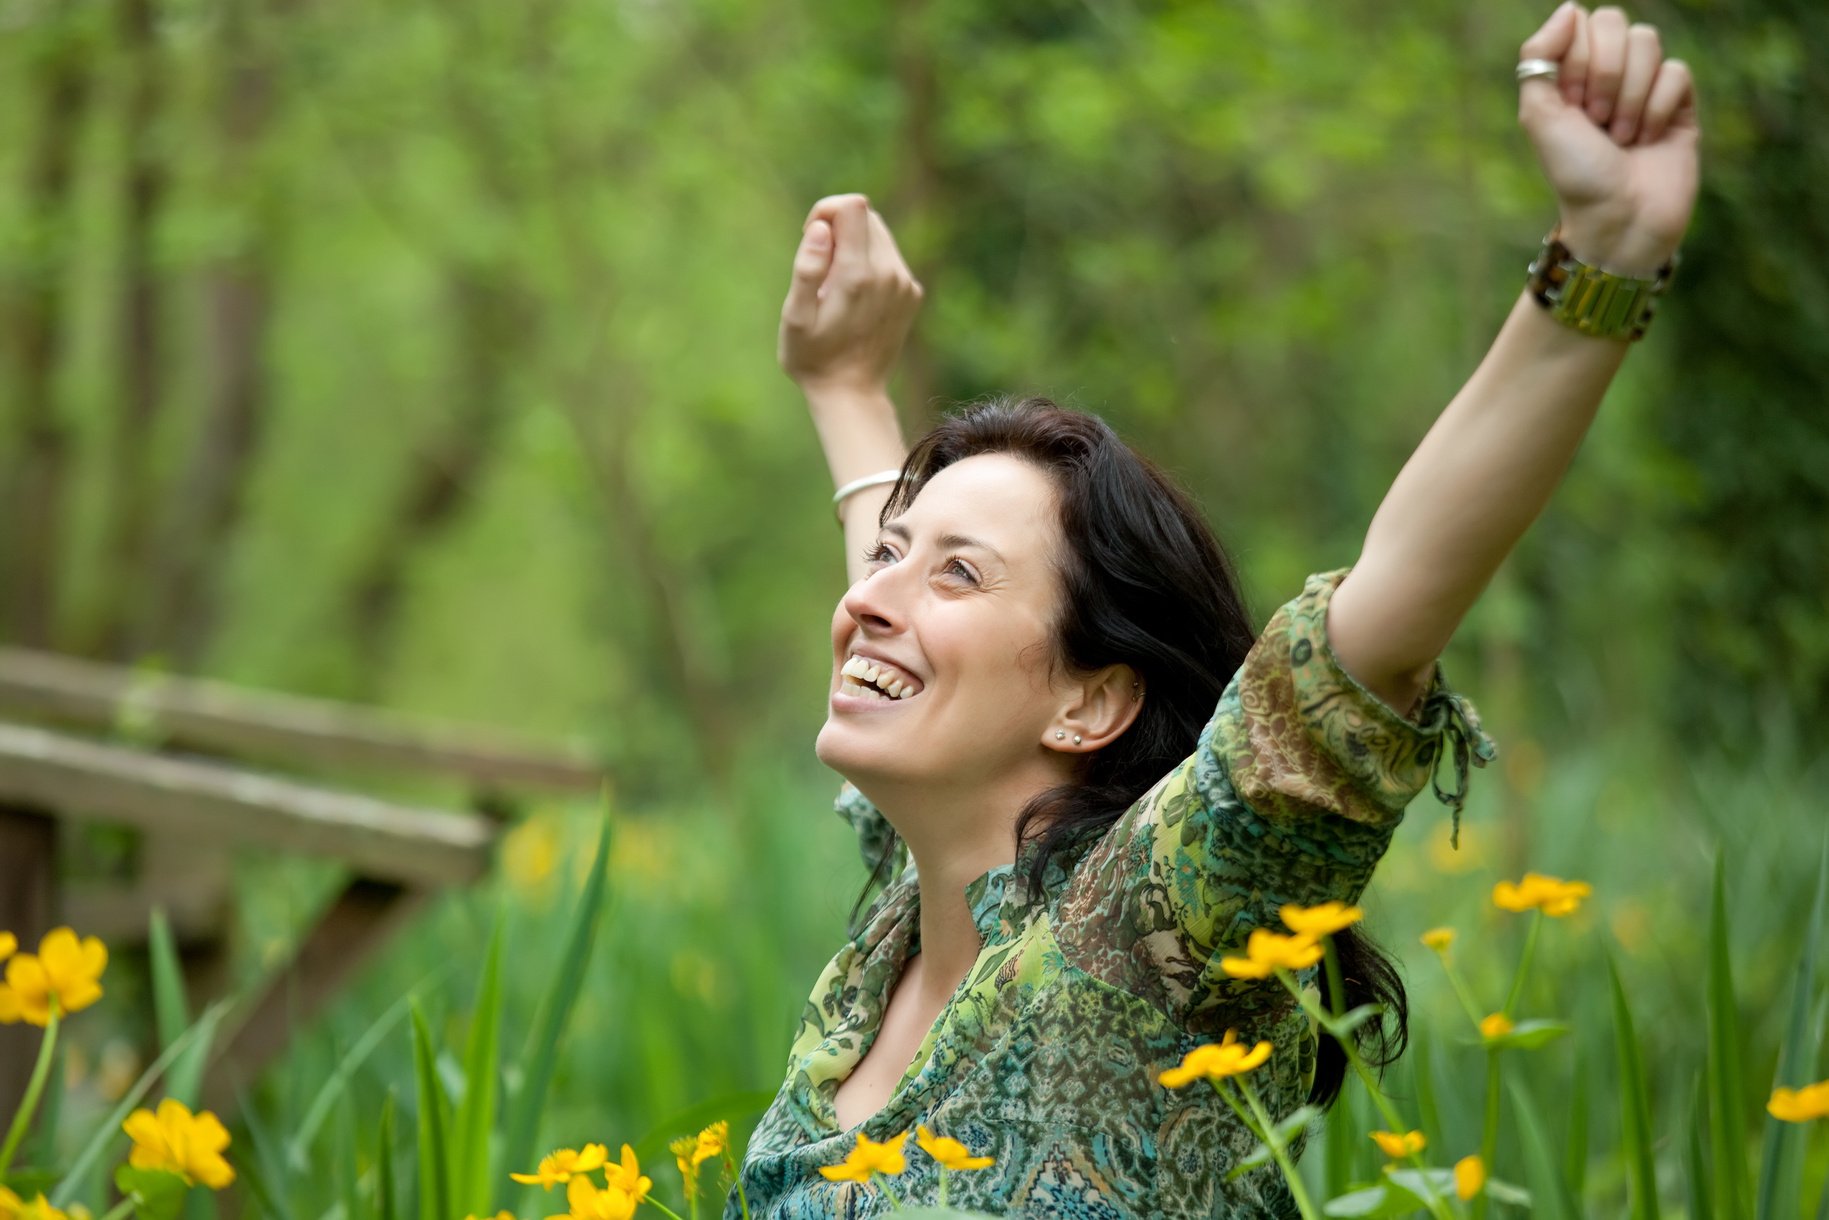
point(1529, 69)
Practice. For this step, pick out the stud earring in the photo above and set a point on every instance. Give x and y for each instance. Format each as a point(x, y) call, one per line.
point(1059, 735)
point(1076, 739)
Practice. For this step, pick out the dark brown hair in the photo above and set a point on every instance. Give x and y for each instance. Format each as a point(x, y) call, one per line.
point(1146, 584)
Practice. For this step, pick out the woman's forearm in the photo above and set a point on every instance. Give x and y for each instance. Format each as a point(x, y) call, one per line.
point(860, 435)
point(1481, 475)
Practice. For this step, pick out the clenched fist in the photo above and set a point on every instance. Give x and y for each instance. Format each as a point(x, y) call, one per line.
point(850, 304)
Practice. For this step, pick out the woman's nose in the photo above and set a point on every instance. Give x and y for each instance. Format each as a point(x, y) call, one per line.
point(874, 603)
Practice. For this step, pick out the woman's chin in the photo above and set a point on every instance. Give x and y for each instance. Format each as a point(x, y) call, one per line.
point(839, 747)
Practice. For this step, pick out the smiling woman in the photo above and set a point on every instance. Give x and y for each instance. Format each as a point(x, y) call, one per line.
point(1089, 780)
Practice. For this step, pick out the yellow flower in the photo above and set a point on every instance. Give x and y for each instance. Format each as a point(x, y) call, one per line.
point(12, 1207)
point(564, 1164)
point(949, 1152)
point(1469, 1176)
point(1216, 1062)
point(1551, 895)
point(1323, 920)
point(9, 945)
point(627, 1177)
point(174, 1139)
point(867, 1158)
point(589, 1203)
point(1393, 1145)
point(1439, 939)
point(65, 969)
point(1800, 1105)
point(1268, 951)
point(690, 1151)
point(1496, 1025)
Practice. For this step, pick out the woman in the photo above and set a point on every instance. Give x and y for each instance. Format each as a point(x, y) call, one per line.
point(1044, 684)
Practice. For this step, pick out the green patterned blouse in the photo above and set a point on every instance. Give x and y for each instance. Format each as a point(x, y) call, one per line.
point(1046, 1056)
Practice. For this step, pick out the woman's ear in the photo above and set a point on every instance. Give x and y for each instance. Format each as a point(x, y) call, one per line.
point(1099, 709)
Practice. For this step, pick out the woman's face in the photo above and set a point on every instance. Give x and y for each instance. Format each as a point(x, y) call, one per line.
point(956, 618)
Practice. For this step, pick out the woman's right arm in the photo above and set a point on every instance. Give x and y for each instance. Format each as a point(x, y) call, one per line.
point(847, 313)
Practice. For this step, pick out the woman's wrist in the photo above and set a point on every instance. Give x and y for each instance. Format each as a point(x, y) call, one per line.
point(1615, 244)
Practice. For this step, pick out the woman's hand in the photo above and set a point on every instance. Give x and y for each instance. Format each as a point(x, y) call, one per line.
point(1616, 135)
point(850, 304)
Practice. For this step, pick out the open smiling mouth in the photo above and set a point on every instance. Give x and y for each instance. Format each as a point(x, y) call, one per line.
point(870, 681)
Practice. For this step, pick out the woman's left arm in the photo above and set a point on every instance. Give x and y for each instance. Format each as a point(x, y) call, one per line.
point(1616, 135)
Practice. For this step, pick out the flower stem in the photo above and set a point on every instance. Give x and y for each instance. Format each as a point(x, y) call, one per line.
point(34, 1089)
point(894, 1203)
point(1524, 965)
point(1266, 1130)
point(942, 1186)
point(655, 1202)
point(119, 1210)
point(1489, 1133)
point(1350, 1047)
point(737, 1174)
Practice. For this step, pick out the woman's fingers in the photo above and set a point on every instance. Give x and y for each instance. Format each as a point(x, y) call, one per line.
point(887, 255)
point(811, 262)
point(826, 209)
point(851, 232)
point(1643, 55)
point(1606, 62)
point(1554, 40)
point(1574, 76)
point(1672, 101)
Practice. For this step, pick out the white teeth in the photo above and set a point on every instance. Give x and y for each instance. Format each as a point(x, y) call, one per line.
point(894, 688)
point(863, 671)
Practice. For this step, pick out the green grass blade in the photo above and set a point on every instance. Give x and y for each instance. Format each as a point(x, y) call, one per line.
point(434, 1152)
point(349, 1192)
point(1549, 1193)
point(1781, 1168)
point(1695, 1165)
point(542, 1051)
point(385, 1191)
point(1575, 1154)
point(110, 1129)
point(1635, 1106)
point(1726, 1087)
point(1422, 1071)
point(298, 1149)
point(471, 1178)
point(1340, 1128)
point(171, 1017)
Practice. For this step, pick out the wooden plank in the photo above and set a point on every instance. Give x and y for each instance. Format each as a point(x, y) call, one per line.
point(28, 909)
point(218, 718)
point(237, 808)
point(351, 930)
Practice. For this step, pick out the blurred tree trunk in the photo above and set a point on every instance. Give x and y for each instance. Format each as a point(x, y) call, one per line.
point(33, 483)
point(493, 321)
point(919, 194)
point(204, 506)
point(132, 464)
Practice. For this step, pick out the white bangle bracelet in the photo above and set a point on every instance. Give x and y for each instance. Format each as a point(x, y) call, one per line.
point(856, 485)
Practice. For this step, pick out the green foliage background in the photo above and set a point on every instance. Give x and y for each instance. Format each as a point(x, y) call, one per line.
point(421, 353)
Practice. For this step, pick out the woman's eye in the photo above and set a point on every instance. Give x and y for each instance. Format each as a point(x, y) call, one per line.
point(880, 553)
point(962, 572)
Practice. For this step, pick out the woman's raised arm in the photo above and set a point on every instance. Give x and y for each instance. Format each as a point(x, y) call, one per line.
point(846, 316)
point(1616, 135)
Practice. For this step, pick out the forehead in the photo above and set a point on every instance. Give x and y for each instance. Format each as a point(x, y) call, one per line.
point(1004, 501)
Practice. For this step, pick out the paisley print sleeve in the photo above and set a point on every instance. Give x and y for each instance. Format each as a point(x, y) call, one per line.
point(1291, 796)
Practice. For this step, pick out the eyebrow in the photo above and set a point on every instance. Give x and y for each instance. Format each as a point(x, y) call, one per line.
point(949, 541)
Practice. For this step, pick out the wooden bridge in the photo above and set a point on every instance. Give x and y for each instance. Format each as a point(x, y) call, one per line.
point(186, 763)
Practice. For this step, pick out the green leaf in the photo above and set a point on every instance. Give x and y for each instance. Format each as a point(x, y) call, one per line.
point(1695, 1165)
point(110, 1129)
point(157, 1194)
point(1342, 1026)
point(1505, 1192)
point(1635, 1107)
point(1557, 1202)
point(299, 1147)
point(434, 1152)
point(1529, 1035)
point(549, 1028)
point(1726, 1087)
point(1287, 1129)
point(1387, 1198)
point(471, 1177)
point(1341, 1133)
point(1781, 1169)
point(386, 1208)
